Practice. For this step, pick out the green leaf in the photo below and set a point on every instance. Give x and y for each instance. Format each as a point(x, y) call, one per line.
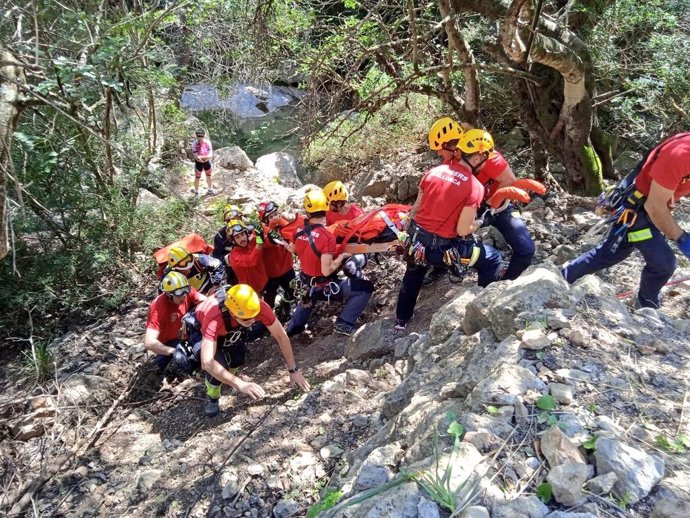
point(543, 417)
point(451, 416)
point(552, 420)
point(456, 429)
point(590, 444)
point(544, 492)
point(546, 402)
point(351, 4)
point(492, 409)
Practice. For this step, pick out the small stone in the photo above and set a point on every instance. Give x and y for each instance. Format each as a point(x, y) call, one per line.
point(331, 451)
point(475, 511)
point(578, 338)
point(286, 508)
point(559, 449)
point(603, 484)
point(558, 321)
point(256, 469)
point(566, 482)
point(148, 479)
point(534, 339)
point(230, 489)
point(372, 476)
point(562, 393)
point(483, 441)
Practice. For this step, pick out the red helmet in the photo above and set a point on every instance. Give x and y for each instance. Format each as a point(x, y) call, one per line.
point(267, 208)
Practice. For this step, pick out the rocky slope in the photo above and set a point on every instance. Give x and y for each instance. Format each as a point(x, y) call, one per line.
point(386, 410)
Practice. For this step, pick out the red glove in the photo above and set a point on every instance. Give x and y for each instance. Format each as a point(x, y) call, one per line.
point(528, 184)
point(508, 193)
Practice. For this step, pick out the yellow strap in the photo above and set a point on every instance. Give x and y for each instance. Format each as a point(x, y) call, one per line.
point(475, 255)
point(639, 235)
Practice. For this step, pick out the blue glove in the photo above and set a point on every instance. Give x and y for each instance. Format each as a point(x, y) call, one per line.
point(684, 244)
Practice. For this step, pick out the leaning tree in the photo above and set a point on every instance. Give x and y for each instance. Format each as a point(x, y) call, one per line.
point(535, 46)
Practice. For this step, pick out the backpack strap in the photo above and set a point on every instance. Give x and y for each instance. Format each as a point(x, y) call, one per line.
point(224, 311)
point(306, 231)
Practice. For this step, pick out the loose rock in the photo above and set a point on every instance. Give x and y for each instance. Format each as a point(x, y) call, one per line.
point(562, 393)
point(566, 482)
point(559, 449)
point(603, 484)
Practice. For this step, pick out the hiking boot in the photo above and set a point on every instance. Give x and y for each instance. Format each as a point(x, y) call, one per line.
point(400, 325)
point(211, 407)
point(211, 191)
point(343, 328)
point(195, 193)
point(432, 276)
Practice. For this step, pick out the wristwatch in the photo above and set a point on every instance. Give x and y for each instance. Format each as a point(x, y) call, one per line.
point(292, 371)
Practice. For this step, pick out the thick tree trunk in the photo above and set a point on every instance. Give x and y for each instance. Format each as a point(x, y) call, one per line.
point(9, 115)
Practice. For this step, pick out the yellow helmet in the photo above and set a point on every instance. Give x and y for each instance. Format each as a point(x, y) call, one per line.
point(336, 191)
point(242, 301)
point(442, 131)
point(235, 226)
point(315, 201)
point(231, 212)
point(477, 141)
point(179, 258)
point(174, 283)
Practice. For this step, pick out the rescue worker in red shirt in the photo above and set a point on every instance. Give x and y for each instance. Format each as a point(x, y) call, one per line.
point(339, 205)
point(164, 321)
point(222, 243)
point(204, 273)
point(643, 220)
point(278, 261)
point(316, 249)
point(224, 325)
point(245, 258)
point(442, 217)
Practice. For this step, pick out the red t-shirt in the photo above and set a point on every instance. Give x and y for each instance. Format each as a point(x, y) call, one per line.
point(670, 169)
point(166, 317)
point(211, 319)
point(492, 169)
point(248, 265)
point(309, 261)
point(447, 190)
point(333, 216)
point(277, 260)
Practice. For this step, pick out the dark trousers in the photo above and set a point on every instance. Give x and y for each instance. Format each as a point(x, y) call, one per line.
point(162, 360)
point(487, 266)
point(355, 292)
point(514, 231)
point(659, 258)
point(229, 355)
point(284, 281)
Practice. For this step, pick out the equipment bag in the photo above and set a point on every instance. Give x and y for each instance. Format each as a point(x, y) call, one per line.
point(194, 243)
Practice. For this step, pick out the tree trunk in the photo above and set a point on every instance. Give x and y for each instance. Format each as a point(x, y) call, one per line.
point(9, 115)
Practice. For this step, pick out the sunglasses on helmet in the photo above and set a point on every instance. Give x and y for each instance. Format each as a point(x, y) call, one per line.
point(185, 263)
point(180, 291)
point(237, 229)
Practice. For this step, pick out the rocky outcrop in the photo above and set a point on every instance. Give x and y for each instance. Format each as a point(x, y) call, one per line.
point(280, 168)
point(232, 157)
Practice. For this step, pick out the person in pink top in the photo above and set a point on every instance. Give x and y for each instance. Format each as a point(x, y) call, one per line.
point(339, 206)
point(202, 149)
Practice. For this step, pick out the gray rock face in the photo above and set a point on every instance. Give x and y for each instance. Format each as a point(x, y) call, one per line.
point(626, 160)
point(610, 310)
point(232, 157)
point(521, 507)
point(427, 509)
point(83, 389)
point(280, 167)
point(477, 311)
point(450, 316)
point(564, 514)
point(285, 509)
point(367, 342)
point(148, 479)
point(372, 476)
point(566, 482)
point(541, 286)
point(503, 385)
point(559, 449)
point(637, 471)
point(485, 355)
point(146, 197)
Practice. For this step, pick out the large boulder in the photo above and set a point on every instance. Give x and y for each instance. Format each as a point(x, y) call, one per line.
point(594, 292)
point(541, 286)
point(232, 157)
point(484, 355)
point(505, 383)
point(637, 471)
point(450, 316)
point(397, 502)
point(476, 312)
point(280, 168)
point(147, 198)
point(368, 342)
